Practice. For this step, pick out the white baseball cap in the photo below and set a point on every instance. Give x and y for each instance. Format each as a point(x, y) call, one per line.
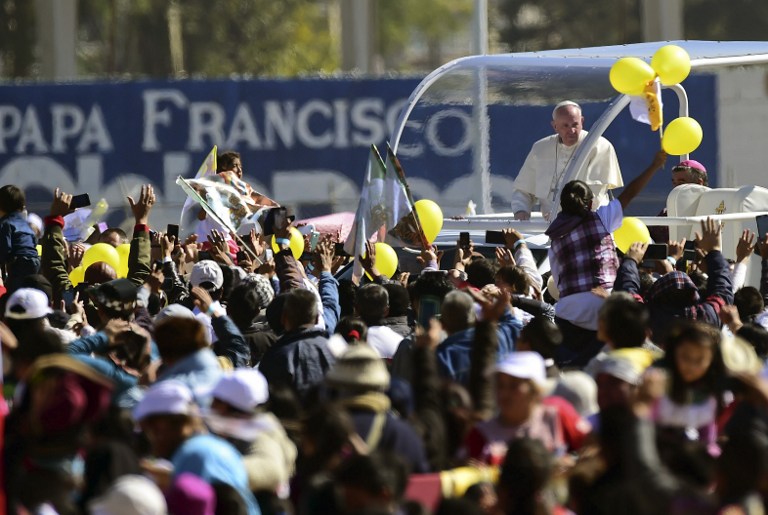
point(130, 495)
point(524, 365)
point(165, 398)
point(207, 271)
point(27, 304)
point(244, 388)
point(175, 311)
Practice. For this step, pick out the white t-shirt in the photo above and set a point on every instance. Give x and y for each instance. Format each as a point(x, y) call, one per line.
point(384, 340)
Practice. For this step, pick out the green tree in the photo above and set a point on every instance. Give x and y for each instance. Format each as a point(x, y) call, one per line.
point(17, 38)
point(260, 37)
point(735, 20)
point(528, 25)
point(435, 23)
point(219, 39)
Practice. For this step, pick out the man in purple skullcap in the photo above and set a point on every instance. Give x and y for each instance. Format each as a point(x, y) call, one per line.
point(689, 172)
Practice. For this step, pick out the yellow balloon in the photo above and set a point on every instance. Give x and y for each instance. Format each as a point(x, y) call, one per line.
point(430, 218)
point(458, 480)
point(101, 252)
point(124, 251)
point(295, 241)
point(682, 136)
point(632, 230)
point(672, 64)
point(386, 260)
point(630, 75)
point(77, 275)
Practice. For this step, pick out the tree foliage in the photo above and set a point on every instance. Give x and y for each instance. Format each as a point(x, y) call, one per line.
point(259, 37)
point(434, 23)
point(734, 20)
point(549, 24)
point(17, 37)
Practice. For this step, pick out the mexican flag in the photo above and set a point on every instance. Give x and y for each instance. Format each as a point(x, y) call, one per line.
point(371, 214)
point(403, 217)
point(385, 202)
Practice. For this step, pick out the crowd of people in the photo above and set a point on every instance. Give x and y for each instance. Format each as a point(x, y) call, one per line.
point(206, 381)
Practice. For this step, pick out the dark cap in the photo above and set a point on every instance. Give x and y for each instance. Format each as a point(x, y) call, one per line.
point(118, 296)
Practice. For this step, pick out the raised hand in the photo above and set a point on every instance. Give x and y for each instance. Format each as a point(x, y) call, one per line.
point(142, 208)
point(167, 245)
point(504, 257)
point(429, 255)
point(636, 252)
point(60, 203)
point(257, 243)
point(711, 235)
point(369, 260)
point(323, 256)
point(76, 253)
point(745, 246)
point(511, 236)
point(676, 249)
point(492, 309)
point(203, 299)
point(659, 160)
point(219, 248)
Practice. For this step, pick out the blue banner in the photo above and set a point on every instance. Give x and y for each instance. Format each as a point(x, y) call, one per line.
point(303, 142)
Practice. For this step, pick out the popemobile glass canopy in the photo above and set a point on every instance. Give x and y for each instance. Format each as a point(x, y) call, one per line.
point(546, 78)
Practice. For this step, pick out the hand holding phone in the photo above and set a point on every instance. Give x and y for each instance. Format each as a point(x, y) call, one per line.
point(464, 240)
point(172, 231)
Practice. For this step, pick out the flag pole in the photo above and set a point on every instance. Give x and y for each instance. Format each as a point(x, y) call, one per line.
point(194, 195)
point(401, 177)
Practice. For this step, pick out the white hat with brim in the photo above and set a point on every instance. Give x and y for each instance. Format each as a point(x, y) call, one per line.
point(524, 365)
point(244, 388)
point(166, 398)
point(27, 304)
point(207, 271)
point(130, 495)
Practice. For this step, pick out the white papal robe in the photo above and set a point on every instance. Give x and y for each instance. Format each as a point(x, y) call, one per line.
point(544, 169)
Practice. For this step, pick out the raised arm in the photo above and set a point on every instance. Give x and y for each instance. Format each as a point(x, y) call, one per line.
point(720, 283)
point(230, 343)
point(286, 266)
point(328, 286)
point(638, 183)
point(628, 277)
point(54, 255)
point(139, 258)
